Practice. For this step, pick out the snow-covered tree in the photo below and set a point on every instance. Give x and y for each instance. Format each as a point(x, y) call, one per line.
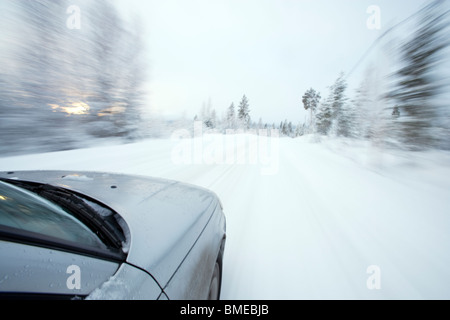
point(72, 84)
point(341, 114)
point(311, 100)
point(300, 130)
point(290, 129)
point(208, 115)
point(213, 118)
point(334, 115)
point(244, 113)
point(231, 117)
point(416, 84)
point(324, 116)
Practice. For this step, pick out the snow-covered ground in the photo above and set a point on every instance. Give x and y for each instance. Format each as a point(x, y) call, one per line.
point(305, 220)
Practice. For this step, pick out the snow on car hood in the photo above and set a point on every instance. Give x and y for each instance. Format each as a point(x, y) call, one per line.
point(164, 217)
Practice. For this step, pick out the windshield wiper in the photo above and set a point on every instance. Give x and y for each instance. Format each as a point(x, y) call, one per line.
point(104, 226)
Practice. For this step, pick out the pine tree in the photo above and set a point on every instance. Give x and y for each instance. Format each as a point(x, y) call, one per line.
point(231, 117)
point(324, 117)
point(290, 129)
point(415, 85)
point(311, 100)
point(244, 113)
point(331, 113)
point(341, 115)
point(213, 119)
point(208, 114)
point(300, 130)
point(370, 120)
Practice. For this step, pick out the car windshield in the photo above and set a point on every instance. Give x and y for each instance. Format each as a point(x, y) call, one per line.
point(23, 210)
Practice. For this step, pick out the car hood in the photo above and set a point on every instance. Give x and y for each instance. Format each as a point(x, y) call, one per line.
point(164, 218)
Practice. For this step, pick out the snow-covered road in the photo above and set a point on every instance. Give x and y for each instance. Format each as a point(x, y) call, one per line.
point(303, 222)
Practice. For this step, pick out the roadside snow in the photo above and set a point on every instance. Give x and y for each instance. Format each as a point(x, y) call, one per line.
point(330, 220)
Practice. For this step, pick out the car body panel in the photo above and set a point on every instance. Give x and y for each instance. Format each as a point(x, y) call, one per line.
point(30, 269)
point(165, 218)
point(129, 283)
point(200, 265)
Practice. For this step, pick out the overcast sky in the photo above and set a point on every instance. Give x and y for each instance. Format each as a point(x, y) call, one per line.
point(270, 50)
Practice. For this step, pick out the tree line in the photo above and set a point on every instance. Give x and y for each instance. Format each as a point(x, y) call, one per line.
point(239, 119)
point(407, 112)
point(404, 109)
point(61, 87)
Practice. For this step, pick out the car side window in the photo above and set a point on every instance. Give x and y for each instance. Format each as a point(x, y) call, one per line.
point(23, 210)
